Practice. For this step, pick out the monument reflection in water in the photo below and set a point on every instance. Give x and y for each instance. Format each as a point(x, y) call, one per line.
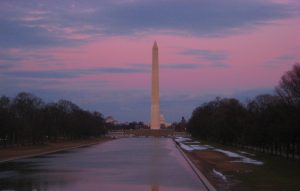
point(133, 164)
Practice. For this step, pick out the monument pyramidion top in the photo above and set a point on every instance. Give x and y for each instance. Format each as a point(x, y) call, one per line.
point(155, 45)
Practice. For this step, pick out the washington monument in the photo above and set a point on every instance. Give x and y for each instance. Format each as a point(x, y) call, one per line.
point(155, 113)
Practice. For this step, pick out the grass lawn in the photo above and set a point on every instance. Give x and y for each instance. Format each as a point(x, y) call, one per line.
point(276, 174)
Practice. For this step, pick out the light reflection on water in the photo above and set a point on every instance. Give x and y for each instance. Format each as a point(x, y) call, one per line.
point(132, 164)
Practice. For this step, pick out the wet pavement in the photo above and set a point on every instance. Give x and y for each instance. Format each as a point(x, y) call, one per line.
point(128, 164)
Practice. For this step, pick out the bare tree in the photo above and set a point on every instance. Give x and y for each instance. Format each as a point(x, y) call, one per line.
point(289, 86)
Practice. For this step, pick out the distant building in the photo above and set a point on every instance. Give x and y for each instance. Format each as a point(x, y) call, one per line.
point(163, 122)
point(182, 125)
point(111, 120)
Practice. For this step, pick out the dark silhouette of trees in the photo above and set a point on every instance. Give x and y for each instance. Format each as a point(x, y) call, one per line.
point(289, 86)
point(128, 126)
point(221, 120)
point(268, 123)
point(179, 126)
point(27, 120)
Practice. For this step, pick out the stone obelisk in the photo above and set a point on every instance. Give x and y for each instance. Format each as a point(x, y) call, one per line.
point(155, 113)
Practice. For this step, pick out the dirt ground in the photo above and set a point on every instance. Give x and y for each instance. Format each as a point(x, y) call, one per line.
point(207, 161)
point(11, 153)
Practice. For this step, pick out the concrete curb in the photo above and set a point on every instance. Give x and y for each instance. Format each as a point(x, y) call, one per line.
point(46, 153)
point(202, 178)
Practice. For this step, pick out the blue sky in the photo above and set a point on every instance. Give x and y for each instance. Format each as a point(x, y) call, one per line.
point(97, 53)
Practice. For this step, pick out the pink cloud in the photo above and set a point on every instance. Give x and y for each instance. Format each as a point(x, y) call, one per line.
point(247, 53)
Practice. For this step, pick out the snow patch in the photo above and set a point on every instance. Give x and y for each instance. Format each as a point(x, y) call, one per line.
point(245, 153)
point(219, 174)
point(249, 161)
point(182, 139)
point(199, 147)
point(208, 146)
point(192, 147)
point(186, 147)
point(229, 153)
point(243, 159)
point(189, 145)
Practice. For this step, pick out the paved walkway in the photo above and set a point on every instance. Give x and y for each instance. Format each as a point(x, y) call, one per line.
point(133, 164)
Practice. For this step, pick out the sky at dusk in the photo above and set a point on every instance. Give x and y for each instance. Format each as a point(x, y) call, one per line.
point(97, 53)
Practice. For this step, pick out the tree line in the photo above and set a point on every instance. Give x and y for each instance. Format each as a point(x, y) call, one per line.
point(28, 120)
point(268, 123)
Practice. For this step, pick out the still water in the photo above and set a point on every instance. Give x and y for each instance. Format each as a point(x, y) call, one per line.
point(127, 164)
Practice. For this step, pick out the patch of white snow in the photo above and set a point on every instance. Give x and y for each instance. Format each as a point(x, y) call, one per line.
point(185, 147)
point(249, 161)
point(219, 174)
point(243, 159)
point(229, 153)
point(182, 139)
point(208, 146)
point(199, 147)
point(246, 153)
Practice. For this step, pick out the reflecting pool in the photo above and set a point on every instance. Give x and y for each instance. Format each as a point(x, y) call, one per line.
point(128, 164)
